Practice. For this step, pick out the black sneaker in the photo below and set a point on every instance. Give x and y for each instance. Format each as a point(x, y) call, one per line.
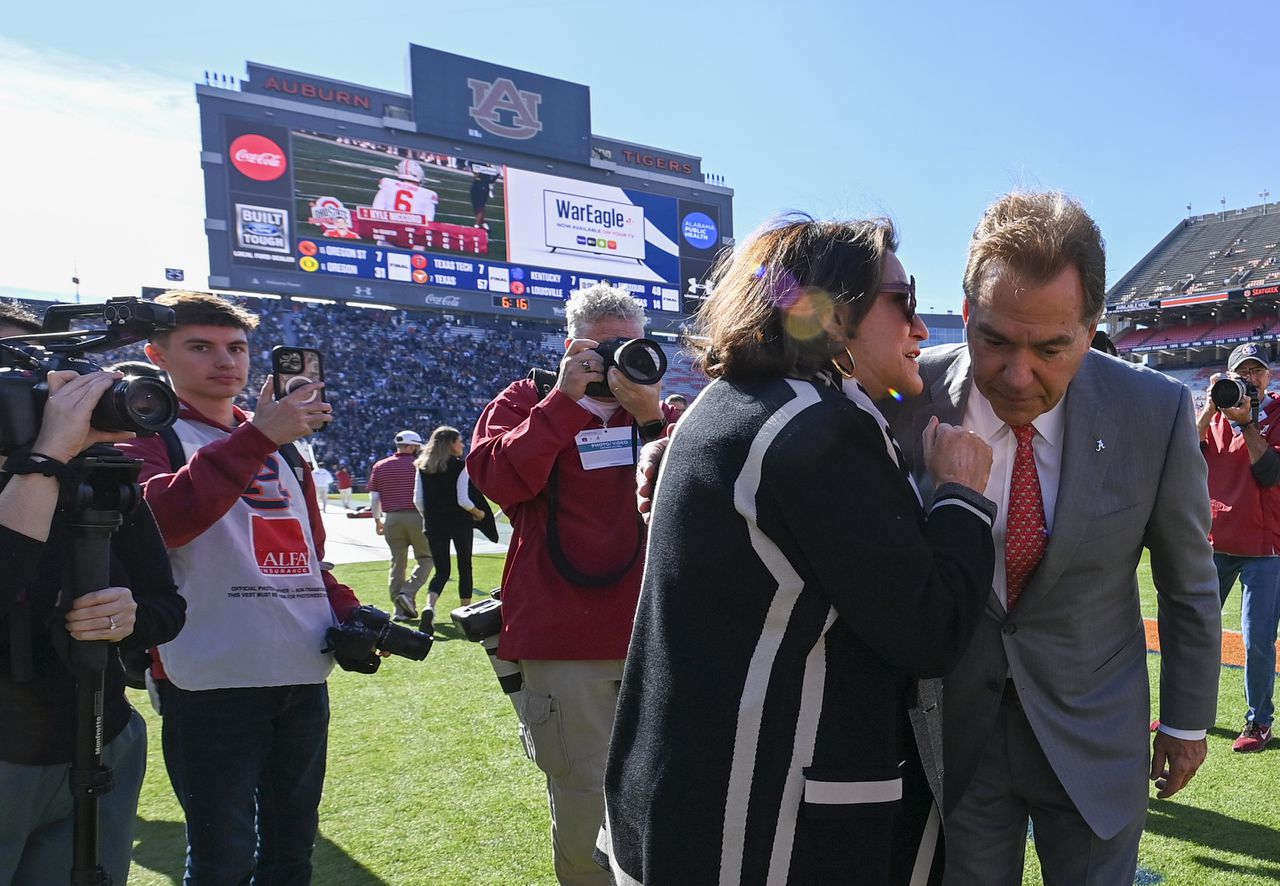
point(427, 625)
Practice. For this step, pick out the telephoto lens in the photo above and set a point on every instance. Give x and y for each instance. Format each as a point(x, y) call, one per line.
point(1228, 393)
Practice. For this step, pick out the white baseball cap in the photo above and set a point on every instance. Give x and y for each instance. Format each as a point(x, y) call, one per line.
point(408, 438)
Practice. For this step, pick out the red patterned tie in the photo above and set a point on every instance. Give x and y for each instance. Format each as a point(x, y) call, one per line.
point(1025, 538)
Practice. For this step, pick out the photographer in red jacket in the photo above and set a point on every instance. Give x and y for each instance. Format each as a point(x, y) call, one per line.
point(1242, 447)
point(561, 464)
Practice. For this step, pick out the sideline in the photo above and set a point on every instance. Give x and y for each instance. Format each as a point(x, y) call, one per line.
point(355, 541)
point(1232, 645)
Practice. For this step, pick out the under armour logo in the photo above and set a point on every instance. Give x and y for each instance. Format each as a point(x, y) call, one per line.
point(491, 100)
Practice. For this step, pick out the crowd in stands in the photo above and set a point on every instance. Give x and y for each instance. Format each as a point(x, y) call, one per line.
point(390, 370)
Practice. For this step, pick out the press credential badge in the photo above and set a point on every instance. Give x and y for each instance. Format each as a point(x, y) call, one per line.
point(605, 448)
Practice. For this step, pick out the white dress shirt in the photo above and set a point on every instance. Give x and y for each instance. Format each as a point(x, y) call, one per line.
point(980, 418)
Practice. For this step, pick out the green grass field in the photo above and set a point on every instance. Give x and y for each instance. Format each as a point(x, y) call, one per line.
point(427, 782)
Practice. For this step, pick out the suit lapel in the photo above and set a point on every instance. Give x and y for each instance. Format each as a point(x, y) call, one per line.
point(1083, 474)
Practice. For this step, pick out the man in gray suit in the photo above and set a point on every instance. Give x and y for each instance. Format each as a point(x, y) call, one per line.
point(1046, 717)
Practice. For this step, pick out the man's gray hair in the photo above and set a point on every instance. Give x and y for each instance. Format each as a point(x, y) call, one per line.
point(586, 307)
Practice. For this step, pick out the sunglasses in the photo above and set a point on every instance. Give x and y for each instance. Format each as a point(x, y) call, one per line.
point(908, 289)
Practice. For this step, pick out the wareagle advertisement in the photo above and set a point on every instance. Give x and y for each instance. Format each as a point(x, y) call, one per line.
point(591, 228)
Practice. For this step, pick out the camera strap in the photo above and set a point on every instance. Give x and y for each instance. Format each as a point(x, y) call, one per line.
point(545, 381)
point(23, 461)
point(561, 561)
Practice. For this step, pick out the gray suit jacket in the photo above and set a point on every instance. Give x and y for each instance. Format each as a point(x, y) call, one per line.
point(1132, 478)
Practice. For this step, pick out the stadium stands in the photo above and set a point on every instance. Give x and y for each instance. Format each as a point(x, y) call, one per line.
point(388, 370)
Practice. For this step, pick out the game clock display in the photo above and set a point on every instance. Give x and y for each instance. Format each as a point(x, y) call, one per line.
point(511, 302)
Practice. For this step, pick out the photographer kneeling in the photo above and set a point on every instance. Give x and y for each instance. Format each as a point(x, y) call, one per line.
point(37, 691)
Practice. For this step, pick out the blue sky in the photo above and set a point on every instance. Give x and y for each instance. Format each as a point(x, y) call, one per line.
point(925, 111)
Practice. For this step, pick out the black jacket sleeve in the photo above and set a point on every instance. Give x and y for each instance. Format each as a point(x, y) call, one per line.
point(912, 589)
point(139, 552)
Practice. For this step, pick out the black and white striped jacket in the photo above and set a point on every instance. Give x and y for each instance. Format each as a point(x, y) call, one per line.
point(794, 591)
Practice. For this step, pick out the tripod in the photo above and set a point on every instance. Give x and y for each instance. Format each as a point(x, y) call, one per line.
point(101, 487)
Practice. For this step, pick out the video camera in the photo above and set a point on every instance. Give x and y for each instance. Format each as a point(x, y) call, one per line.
point(639, 359)
point(141, 405)
point(356, 642)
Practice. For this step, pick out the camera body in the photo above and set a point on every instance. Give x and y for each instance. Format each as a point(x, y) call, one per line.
point(141, 405)
point(1229, 392)
point(640, 359)
point(481, 622)
point(356, 642)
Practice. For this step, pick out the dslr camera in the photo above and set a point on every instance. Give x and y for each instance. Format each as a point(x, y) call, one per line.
point(356, 642)
point(1229, 392)
point(141, 405)
point(640, 359)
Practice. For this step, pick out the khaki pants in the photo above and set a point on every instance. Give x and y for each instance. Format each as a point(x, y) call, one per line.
point(403, 530)
point(566, 718)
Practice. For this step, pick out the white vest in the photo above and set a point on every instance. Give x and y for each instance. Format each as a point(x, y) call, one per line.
point(257, 608)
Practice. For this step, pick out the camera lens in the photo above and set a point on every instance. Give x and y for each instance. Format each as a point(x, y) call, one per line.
point(141, 405)
point(406, 642)
point(1228, 393)
point(642, 361)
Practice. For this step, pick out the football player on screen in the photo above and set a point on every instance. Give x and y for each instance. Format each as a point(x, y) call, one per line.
point(405, 192)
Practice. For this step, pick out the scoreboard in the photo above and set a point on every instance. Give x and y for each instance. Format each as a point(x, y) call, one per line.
point(357, 207)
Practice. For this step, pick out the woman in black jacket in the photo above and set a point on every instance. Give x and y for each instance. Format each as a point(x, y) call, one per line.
point(796, 587)
point(451, 506)
point(37, 691)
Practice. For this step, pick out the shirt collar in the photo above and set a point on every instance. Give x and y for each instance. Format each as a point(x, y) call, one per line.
point(986, 424)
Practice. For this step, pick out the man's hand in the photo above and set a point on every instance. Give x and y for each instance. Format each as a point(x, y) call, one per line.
point(580, 366)
point(378, 526)
point(65, 431)
point(294, 416)
point(651, 455)
point(107, 614)
point(644, 402)
point(1174, 761)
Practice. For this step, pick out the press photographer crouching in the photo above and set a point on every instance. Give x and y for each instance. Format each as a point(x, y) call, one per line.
point(38, 692)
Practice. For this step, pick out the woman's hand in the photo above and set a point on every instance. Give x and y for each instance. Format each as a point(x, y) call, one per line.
point(107, 614)
point(954, 455)
point(65, 431)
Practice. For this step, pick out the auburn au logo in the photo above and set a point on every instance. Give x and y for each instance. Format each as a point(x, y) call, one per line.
point(490, 102)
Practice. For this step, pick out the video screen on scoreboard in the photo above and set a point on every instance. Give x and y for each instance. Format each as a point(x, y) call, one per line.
point(327, 205)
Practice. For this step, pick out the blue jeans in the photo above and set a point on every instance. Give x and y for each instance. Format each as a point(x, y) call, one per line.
point(1259, 616)
point(37, 821)
point(248, 767)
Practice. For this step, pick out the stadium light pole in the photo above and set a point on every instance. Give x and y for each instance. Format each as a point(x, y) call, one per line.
point(1264, 194)
point(1223, 201)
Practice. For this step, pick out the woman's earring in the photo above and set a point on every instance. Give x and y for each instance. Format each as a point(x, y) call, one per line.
point(853, 365)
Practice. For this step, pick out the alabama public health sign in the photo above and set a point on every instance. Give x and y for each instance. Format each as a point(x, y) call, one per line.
point(258, 157)
point(699, 230)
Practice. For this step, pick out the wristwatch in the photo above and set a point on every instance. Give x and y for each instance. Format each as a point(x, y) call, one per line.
point(651, 430)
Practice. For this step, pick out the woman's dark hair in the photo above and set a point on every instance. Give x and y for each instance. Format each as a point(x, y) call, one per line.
point(770, 298)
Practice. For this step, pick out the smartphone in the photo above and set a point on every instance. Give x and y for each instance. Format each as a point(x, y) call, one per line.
point(293, 367)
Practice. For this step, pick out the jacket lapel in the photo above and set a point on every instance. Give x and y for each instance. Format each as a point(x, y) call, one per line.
point(1083, 474)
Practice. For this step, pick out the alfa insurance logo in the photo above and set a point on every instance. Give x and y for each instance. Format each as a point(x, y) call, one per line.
point(258, 157)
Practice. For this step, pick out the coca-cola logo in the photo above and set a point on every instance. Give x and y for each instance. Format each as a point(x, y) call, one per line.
point(258, 157)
